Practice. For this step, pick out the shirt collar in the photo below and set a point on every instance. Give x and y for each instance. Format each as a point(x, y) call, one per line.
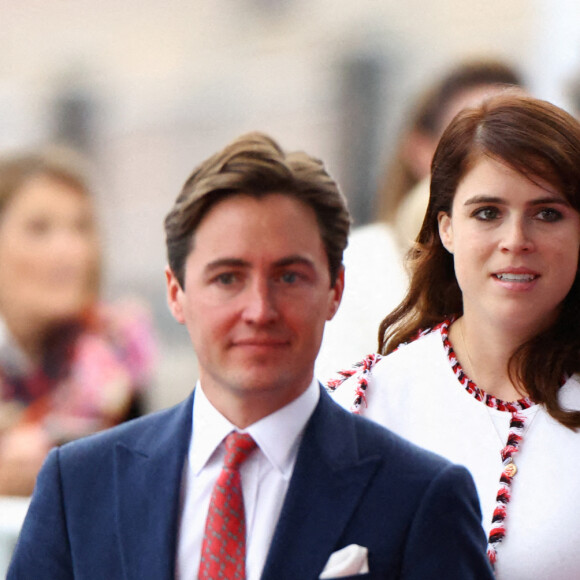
point(278, 435)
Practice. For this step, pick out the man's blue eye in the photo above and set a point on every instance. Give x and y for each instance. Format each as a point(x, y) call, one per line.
point(289, 277)
point(226, 278)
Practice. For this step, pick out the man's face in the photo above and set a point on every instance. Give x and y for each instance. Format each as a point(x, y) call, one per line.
point(257, 294)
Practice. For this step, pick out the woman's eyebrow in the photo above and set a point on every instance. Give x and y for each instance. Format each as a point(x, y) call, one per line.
point(477, 199)
point(484, 199)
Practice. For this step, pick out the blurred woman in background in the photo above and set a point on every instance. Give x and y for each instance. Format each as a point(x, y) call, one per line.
point(375, 277)
point(483, 354)
point(466, 84)
point(69, 365)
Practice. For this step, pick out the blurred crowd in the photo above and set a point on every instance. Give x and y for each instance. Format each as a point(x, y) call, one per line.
point(71, 364)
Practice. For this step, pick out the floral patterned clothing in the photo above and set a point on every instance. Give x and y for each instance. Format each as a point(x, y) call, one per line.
point(89, 383)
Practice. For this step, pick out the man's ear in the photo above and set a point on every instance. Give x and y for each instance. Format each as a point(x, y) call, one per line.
point(174, 295)
point(336, 292)
point(445, 230)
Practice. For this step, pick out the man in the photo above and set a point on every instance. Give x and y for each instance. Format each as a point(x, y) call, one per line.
point(255, 243)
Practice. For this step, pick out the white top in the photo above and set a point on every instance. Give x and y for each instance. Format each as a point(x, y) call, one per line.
point(415, 393)
point(12, 513)
point(13, 360)
point(265, 476)
point(375, 284)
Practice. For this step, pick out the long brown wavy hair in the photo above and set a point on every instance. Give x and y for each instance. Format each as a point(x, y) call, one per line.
point(542, 142)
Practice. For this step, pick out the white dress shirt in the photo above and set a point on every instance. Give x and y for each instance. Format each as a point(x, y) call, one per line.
point(265, 476)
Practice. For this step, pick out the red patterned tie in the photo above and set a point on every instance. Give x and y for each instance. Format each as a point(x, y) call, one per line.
point(223, 553)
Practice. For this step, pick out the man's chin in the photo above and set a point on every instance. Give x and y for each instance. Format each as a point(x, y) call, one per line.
point(267, 380)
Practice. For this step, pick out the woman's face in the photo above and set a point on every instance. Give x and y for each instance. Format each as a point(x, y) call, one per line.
point(48, 253)
point(515, 246)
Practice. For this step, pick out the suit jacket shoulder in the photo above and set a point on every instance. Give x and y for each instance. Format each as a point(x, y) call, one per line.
point(107, 506)
point(355, 482)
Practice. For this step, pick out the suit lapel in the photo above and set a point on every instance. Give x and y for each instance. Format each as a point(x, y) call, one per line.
point(325, 488)
point(148, 472)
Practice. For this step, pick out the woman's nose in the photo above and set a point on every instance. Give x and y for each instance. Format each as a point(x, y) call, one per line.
point(517, 236)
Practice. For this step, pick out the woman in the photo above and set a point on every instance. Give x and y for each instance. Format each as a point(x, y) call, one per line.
point(482, 353)
point(69, 365)
point(376, 279)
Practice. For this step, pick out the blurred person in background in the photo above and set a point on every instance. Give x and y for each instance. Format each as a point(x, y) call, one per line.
point(69, 365)
point(376, 280)
point(404, 192)
point(480, 361)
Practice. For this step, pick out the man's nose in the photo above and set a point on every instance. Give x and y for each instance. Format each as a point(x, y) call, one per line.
point(260, 306)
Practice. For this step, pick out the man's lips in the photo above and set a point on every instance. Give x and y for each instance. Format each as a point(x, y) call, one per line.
point(260, 342)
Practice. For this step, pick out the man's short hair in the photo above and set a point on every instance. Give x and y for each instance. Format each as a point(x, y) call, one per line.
point(255, 165)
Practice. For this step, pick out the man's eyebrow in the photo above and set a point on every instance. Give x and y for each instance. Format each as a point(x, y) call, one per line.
point(226, 263)
point(294, 260)
point(240, 263)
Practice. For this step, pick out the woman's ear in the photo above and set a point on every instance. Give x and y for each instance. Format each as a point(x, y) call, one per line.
point(445, 230)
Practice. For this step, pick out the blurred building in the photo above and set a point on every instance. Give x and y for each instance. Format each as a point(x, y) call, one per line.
point(148, 89)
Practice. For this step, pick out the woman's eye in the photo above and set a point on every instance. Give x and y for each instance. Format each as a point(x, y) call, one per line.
point(83, 226)
point(486, 213)
point(38, 227)
point(549, 214)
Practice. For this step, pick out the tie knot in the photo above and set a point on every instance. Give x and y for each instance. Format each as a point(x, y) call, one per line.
point(238, 448)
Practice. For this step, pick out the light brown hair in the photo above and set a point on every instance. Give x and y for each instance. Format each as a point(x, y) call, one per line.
point(58, 164)
point(255, 165)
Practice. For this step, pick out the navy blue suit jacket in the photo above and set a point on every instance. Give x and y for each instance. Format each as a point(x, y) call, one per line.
point(107, 507)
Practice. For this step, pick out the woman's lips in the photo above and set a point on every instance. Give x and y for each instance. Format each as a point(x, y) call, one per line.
point(512, 277)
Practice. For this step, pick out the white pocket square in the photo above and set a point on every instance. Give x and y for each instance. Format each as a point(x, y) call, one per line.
point(349, 561)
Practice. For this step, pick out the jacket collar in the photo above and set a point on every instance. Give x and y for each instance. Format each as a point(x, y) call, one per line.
point(329, 478)
point(148, 510)
point(328, 481)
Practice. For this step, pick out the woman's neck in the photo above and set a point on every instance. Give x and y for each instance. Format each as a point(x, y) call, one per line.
point(484, 353)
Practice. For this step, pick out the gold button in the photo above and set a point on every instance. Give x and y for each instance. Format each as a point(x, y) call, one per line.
point(510, 469)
